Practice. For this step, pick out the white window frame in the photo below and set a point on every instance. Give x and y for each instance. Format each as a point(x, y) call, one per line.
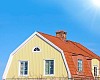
point(80, 67)
point(36, 47)
point(44, 68)
point(20, 65)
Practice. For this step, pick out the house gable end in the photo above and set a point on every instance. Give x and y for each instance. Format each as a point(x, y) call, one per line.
point(43, 38)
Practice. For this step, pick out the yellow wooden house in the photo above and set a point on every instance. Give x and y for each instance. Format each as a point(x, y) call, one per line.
point(44, 56)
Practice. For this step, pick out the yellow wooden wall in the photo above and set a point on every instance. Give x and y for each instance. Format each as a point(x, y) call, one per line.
point(95, 62)
point(36, 60)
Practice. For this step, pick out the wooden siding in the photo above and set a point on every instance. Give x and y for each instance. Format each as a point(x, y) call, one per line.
point(36, 60)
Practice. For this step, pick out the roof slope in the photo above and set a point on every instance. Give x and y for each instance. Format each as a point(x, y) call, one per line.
point(70, 47)
point(91, 54)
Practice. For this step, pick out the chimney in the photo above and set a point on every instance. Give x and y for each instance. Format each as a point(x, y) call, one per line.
point(61, 34)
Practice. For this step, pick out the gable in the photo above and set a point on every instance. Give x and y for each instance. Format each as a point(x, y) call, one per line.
point(36, 59)
point(26, 49)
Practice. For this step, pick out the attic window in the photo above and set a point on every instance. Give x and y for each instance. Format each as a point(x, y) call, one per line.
point(80, 65)
point(36, 49)
point(95, 70)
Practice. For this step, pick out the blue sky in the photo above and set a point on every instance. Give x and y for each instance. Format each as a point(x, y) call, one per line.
point(20, 18)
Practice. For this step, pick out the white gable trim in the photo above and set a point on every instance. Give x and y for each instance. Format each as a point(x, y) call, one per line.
point(11, 55)
point(35, 33)
point(7, 67)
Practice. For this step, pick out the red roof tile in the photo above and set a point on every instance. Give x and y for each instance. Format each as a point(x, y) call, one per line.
point(70, 47)
point(89, 53)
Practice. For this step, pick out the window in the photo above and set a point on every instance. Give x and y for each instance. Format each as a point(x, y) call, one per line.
point(23, 68)
point(36, 49)
point(79, 65)
point(95, 71)
point(49, 67)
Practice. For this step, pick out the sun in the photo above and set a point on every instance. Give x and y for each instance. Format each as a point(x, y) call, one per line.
point(96, 3)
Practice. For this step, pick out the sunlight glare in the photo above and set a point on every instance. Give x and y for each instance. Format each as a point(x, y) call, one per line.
point(96, 3)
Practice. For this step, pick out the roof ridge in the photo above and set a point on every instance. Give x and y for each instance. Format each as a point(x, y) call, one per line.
point(46, 34)
point(49, 35)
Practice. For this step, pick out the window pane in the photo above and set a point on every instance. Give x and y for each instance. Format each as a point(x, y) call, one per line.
point(79, 65)
point(23, 67)
point(21, 72)
point(52, 62)
point(49, 67)
point(25, 72)
point(95, 71)
point(36, 49)
point(26, 66)
point(46, 67)
point(22, 64)
point(51, 71)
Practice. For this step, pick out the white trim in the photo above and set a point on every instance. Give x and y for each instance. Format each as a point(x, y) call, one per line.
point(66, 65)
point(24, 43)
point(44, 68)
point(7, 67)
point(46, 40)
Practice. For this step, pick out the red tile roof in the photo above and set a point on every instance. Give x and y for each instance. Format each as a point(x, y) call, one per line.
point(70, 47)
